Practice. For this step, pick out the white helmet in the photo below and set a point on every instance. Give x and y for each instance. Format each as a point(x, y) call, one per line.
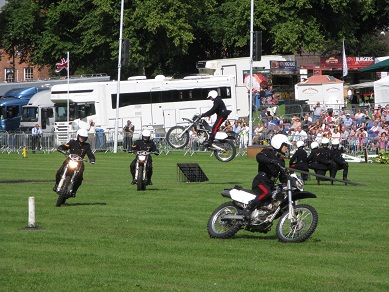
point(325, 141)
point(212, 94)
point(300, 144)
point(146, 134)
point(314, 145)
point(83, 133)
point(335, 142)
point(278, 140)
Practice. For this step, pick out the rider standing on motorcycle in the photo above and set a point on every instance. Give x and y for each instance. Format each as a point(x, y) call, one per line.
point(144, 144)
point(269, 160)
point(218, 108)
point(81, 148)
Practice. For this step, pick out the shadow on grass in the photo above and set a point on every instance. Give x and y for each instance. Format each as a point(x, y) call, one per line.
point(83, 204)
point(23, 181)
point(253, 236)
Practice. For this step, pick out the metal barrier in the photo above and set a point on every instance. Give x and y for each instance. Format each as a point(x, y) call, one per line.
point(104, 142)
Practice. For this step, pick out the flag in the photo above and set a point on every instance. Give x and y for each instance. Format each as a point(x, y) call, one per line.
point(345, 68)
point(63, 64)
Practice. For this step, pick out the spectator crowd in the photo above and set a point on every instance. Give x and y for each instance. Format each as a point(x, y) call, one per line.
point(364, 128)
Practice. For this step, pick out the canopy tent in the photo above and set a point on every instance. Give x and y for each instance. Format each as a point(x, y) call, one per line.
point(382, 66)
point(381, 91)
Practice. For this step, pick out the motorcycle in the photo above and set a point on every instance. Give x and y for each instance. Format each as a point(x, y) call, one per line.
point(297, 221)
point(223, 147)
point(141, 179)
point(68, 178)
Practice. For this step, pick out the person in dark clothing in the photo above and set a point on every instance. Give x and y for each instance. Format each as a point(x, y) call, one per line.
point(269, 160)
point(81, 148)
point(299, 160)
point(320, 160)
point(336, 156)
point(218, 108)
point(147, 145)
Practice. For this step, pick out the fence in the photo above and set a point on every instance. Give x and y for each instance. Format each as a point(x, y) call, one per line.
point(104, 142)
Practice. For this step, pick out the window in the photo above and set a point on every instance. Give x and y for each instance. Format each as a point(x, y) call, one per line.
point(28, 74)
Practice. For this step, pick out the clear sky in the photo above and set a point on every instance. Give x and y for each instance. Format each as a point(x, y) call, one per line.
point(2, 2)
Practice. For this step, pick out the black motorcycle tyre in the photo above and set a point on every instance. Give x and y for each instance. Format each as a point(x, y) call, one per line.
point(64, 192)
point(230, 151)
point(140, 184)
point(228, 228)
point(174, 141)
point(300, 232)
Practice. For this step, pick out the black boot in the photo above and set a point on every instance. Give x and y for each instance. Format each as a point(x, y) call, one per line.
point(248, 209)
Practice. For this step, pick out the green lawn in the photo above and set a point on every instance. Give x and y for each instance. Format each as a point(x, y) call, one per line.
point(113, 238)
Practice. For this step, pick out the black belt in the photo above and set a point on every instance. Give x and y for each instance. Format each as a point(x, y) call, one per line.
point(268, 176)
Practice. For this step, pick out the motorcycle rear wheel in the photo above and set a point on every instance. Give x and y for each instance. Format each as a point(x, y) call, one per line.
point(302, 229)
point(177, 137)
point(140, 184)
point(229, 151)
point(218, 228)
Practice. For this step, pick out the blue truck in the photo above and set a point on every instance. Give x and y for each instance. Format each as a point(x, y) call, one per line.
point(11, 104)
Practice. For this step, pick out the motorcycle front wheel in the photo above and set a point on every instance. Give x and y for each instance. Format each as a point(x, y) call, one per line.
point(219, 228)
point(228, 153)
point(177, 137)
point(140, 184)
point(300, 229)
point(63, 193)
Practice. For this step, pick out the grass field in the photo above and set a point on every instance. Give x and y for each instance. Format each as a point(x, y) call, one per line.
point(113, 238)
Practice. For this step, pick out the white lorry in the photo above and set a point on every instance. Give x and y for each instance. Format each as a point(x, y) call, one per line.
point(39, 110)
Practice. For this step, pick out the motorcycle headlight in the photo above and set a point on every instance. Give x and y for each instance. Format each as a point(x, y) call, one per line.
point(142, 158)
point(73, 164)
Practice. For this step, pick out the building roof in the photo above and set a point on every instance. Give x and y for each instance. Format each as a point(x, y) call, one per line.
point(320, 79)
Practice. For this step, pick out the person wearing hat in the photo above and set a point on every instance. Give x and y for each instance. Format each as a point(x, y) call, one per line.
point(218, 108)
point(36, 134)
point(348, 121)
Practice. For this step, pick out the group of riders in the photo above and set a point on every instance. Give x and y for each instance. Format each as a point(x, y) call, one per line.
point(269, 159)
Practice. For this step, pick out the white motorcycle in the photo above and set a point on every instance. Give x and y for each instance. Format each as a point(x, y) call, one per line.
point(297, 221)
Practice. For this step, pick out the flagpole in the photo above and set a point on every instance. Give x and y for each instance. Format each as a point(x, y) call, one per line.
point(251, 74)
point(115, 144)
point(68, 107)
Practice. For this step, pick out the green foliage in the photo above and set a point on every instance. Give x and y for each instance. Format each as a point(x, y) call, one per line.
point(168, 37)
point(113, 238)
point(383, 157)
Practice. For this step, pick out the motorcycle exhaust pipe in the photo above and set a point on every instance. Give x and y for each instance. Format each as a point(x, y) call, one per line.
point(232, 217)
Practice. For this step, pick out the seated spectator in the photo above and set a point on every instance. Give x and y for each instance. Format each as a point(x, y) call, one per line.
point(359, 117)
point(374, 130)
point(348, 121)
point(227, 126)
point(236, 127)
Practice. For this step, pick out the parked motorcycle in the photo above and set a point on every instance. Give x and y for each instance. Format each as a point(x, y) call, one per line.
point(68, 178)
point(297, 221)
point(142, 158)
point(224, 144)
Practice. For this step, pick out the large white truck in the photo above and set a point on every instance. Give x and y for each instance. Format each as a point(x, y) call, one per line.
point(158, 103)
point(39, 110)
